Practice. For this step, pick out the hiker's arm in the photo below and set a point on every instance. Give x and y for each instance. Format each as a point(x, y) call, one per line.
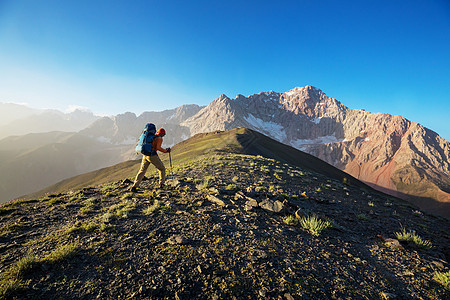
point(158, 146)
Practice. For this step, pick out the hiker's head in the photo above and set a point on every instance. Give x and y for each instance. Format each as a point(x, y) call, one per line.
point(161, 132)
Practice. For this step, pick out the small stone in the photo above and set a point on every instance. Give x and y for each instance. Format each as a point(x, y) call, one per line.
point(176, 240)
point(199, 269)
point(288, 296)
point(408, 273)
point(393, 243)
point(173, 182)
point(438, 264)
point(213, 190)
point(252, 203)
point(215, 200)
point(387, 296)
point(273, 206)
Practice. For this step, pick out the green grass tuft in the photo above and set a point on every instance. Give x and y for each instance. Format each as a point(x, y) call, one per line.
point(231, 187)
point(314, 225)
point(443, 278)
point(412, 238)
point(11, 279)
point(153, 208)
point(61, 253)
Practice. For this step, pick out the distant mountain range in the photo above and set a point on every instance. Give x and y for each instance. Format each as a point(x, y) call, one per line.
point(18, 119)
point(390, 153)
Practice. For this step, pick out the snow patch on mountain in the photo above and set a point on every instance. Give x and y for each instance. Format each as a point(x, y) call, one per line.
point(316, 120)
point(301, 143)
point(291, 92)
point(172, 116)
point(273, 129)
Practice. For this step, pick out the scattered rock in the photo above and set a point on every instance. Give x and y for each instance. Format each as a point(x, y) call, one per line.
point(387, 296)
point(252, 203)
point(393, 243)
point(215, 200)
point(214, 191)
point(273, 206)
point(438, 264)
point(262, 293)
point(288, 296)
point(173, 182)
point(177, 240)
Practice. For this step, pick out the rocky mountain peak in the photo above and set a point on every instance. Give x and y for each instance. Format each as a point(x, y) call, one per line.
point(223, 97)
point(311, 102)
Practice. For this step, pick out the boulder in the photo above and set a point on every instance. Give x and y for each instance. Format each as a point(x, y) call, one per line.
point(273, 206)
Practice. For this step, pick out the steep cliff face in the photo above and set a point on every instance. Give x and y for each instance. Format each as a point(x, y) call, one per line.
point(389, 152)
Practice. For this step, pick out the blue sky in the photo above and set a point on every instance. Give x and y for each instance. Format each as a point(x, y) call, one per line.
point(116, 56)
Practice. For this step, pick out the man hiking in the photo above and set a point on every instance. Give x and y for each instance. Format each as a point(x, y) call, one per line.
point(154, 159)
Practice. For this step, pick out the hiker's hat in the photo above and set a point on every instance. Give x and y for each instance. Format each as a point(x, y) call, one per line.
point(161, 131)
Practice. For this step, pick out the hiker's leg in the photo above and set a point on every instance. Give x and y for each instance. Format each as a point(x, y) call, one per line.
point(144, 166)
point(156, 161)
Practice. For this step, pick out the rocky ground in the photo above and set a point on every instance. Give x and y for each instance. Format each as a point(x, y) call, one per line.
point(227, 226)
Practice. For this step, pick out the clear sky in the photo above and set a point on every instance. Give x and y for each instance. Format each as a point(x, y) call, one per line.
point(116, 56)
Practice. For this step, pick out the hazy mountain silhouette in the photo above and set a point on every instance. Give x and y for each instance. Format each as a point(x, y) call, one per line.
point(20, 120)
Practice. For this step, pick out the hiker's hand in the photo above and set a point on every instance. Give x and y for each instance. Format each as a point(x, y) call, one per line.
point(168, 150)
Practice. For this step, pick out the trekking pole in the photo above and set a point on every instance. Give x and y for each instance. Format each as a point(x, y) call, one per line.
point(170, 159)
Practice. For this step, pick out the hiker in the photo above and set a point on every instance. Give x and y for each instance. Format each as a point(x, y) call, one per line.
point(154, 159)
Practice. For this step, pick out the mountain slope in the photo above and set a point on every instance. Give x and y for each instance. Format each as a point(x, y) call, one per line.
point(229, 225)
point(390, 153)
point(31, 162)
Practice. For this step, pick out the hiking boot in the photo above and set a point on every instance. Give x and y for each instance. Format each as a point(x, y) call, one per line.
point(133, 189)
point(162, 186)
